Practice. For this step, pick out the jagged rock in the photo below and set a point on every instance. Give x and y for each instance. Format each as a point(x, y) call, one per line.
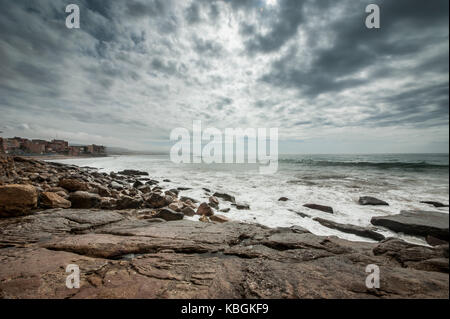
point(53, 200)
point(435, 204)
point(145, 189)
point(81, 199)
point(169, 215)
point(16, 200)
point(132, 172)
point(368, 200)
point(189, 203)
point(73, 185)
point(225, 197)
point(219, 219)
point(326, 209)
point(351, 229)
point(156, 200)
point(433, 241)
point(417, 223)
point(205, 209)
point(188, 211)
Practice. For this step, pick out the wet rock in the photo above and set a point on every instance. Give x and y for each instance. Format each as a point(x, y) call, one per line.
point(145, 189)
point(156, 200)
point(368, 200)
point(73, 185)
point(185, 199)
point(213, 202)
point(183, 188)
point(241, 206)
point(283, 199)
point(188, 211)
point(433, 241)
point(132, 172)
point(151, 182)
point(53, 200)
point(219, 218)
point(351, 229)
point(204, 219)
point(417, 223)
point(137, 184)
point(225, 210)
point(435, 204)
point(205, 209)
point(16, 200)
point(326, 209)
point(225, 197)
point(169, 215)
point(81, 199)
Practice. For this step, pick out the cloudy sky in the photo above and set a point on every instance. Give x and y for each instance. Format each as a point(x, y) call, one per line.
point(137, 69)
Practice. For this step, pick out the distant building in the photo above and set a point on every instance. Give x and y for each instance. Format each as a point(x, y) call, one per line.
point(23, 146)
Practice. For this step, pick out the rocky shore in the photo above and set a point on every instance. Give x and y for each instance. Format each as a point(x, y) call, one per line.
point(130, 239)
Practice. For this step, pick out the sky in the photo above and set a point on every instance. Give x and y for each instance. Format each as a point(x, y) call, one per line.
point(135, 70)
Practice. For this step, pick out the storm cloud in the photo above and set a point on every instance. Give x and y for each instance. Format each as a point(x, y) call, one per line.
point(137, 69)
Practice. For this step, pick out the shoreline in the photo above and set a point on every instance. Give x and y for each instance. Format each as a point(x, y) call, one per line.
point(125, 222)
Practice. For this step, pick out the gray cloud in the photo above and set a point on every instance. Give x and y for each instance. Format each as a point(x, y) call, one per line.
point(137, 69)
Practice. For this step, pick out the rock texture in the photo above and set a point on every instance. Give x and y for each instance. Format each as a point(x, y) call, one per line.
point(351, 229)
point(17, 199)
point(417, 223)
point(121, 256)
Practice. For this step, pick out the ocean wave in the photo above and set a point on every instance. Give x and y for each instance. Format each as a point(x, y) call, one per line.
point(362, 164)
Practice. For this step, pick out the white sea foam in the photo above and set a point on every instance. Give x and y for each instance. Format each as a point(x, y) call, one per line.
point(338, 187)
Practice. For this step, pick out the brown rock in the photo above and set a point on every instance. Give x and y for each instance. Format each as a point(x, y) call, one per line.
point(213, 202)
point(188, 211)
point(82, 199)
point(219, 218)
point(53, 200)
point(204, 210)
point(16, 200)
point(156, 200)
point(73, 185)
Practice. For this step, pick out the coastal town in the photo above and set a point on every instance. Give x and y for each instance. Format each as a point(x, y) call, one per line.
point(26, 147)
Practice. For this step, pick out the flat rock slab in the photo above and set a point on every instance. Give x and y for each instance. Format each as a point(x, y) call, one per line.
point(120, 256)
point(351, 229)
point(417, 223)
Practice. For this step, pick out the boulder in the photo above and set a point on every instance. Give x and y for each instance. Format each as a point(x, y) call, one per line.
point(156, 200)
point(368, 200)
point(188, 211)
point(73, 185)
point(225, 197)
point(283, 199)
point(53, 200)
point(185, 198)
point(16, 200)
point(205, 209)
point(127, 202)
point(115, 185)
point(326, 209)
point(435, 204)
point(137, 184)
point(169, 215)
point(416, 223)
point(176, 206)
point(81, 199)
point(225, 210)
point(219, 218)
point(351, 229)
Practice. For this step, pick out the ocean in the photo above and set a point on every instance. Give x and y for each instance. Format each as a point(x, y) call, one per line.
point(403, 180)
